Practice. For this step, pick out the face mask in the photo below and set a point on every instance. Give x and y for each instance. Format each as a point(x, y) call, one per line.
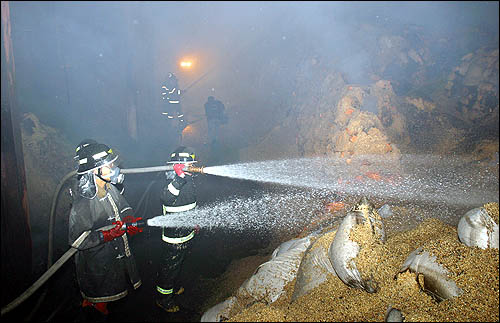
point(115, 177)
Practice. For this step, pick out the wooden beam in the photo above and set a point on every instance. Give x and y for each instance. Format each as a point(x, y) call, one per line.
point(16, 235)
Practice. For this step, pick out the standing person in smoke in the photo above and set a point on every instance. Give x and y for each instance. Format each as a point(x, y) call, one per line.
point(171, 95)
point(214, 111)
point(105, 265)
point(178, 195)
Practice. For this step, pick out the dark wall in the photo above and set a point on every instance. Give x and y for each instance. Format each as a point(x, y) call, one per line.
point(16, 238)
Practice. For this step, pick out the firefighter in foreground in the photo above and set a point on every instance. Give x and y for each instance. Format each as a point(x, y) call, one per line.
point(105, 265)
point(178, 195)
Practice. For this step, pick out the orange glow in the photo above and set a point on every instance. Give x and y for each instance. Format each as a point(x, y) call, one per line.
point(374, 176)
point(334, 206)
point(188, 130)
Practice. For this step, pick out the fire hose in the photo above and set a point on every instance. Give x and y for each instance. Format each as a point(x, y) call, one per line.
point(74, 247)
point(47, 274)
point(67, 255)
point(191, 169)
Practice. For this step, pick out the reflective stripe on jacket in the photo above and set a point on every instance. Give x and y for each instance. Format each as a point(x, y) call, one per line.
point(178, 195)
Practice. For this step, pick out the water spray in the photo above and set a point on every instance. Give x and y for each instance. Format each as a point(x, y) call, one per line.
point(423, 178)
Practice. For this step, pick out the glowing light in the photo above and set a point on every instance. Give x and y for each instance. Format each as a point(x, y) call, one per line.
point(186, 64)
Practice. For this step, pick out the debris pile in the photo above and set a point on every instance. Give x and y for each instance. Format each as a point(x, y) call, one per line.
point(461, 290)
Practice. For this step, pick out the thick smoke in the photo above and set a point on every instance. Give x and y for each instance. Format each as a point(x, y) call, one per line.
point(82, 66)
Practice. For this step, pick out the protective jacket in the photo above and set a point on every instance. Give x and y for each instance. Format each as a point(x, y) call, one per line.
point(171, 91)
point(178, 195)
point(173, 98)
point(104, 270)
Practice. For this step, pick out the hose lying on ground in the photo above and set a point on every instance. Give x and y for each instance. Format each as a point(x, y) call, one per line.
point(67, 255)
point(47, 274)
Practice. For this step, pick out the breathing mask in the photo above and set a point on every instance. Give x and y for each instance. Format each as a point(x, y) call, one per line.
point(115, 177)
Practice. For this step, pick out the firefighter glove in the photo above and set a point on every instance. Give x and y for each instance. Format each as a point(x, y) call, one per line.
point(113, 233)
point(132, 225)
point(178, 169)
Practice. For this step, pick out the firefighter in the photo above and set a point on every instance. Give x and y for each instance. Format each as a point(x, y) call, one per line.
point(214, 111)
point(172, 109)
point(105, 265)
point(178, 195)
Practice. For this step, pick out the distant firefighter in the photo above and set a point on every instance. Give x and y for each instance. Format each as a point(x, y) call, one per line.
point(214, 110)
point(171, 95)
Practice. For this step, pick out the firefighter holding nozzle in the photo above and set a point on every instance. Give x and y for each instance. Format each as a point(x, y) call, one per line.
point(178, 195)
point(105, 266)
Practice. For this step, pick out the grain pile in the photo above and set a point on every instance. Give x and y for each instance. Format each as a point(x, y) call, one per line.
point(325, 240)
point(474, 270)
point(371, 250)
point(492, 209)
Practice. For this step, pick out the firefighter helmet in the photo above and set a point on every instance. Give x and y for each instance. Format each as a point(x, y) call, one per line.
point(95, 156)
point(84, 143)
point(182, 155)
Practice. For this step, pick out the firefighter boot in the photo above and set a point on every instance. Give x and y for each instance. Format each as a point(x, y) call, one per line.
point(166, 302)
point(95, 312)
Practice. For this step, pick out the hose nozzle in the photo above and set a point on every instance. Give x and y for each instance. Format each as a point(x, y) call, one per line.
point(139, 224)
point(193, 169)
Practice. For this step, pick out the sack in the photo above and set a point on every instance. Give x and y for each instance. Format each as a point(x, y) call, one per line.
point(219, 312)
point(315, 265)
point(269, 280)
